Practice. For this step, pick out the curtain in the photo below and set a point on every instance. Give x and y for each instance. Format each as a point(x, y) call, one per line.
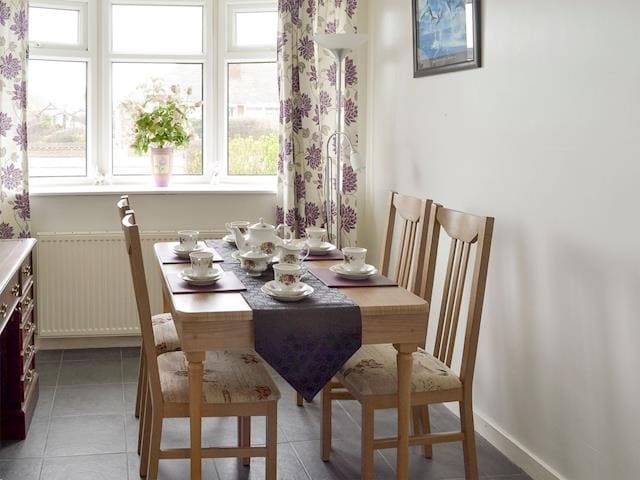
point(14, 197)
point(307, 89)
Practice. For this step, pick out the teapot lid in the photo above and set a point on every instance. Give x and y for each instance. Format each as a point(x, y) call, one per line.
point(261, 225)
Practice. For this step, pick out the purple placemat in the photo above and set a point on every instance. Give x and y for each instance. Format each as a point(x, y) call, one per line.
point(228, 283)
point(333, 280)
point(166, 255)
point(335, 255)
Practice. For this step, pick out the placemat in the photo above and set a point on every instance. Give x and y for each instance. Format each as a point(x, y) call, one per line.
point(335, 255)
point(306, 342)
point(330, 279)
point(166, 255)
point(228, 283)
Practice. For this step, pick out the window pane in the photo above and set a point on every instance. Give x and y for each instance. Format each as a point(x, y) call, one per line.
point(256, 29)
point(53, 26)
point(157, 29)
point(57, 118)
point(253, 119)
point(132, 81)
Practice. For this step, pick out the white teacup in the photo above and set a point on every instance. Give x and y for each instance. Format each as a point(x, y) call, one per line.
point(188, 239)
point(287, 276)
point(315, 236)
point(201, 263)
point(354, 258)
point(293, 254)
point(241, 224)
point(254, 263)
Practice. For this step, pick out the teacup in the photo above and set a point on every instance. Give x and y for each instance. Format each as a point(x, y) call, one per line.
point(201, 263)
point(241, 224)
point(188, 239)
point(293, 253)
point(354, 258)
point(254, 263)
point(287, 276)
point(315, 236)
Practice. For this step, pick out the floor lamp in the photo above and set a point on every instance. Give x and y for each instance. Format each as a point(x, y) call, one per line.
point(339, 44)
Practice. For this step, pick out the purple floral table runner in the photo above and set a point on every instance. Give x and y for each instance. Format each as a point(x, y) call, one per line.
point(306, 342)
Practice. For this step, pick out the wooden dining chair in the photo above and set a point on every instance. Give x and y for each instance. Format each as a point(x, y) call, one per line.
point(370, 376)
point(164, 333)
point(235, 384)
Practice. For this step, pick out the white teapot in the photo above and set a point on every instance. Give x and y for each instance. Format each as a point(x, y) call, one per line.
point(262, 238)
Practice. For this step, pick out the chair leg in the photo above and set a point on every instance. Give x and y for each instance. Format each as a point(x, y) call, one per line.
point(325, 426)
point(422, 425)
point(469, 442)
point(272, 441)
point(367, 441)
point(154, 444)
point(143, 386)
point(145, 427)
point(244, 436)
point(299, 400)
point(139, 395)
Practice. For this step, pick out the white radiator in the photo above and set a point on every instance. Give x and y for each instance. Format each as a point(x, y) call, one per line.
point(84, 283)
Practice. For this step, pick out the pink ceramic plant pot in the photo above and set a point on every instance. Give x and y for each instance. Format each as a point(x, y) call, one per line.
point(161, 165)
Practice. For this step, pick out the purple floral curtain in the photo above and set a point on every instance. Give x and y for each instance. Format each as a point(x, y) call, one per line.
point(14, 196)
point(307, 86)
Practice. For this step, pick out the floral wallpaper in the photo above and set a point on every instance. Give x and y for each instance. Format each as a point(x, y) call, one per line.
point(14, 197)
point(307, 89)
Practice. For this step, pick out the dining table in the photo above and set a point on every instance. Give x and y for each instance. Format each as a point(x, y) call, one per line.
point(224, 321)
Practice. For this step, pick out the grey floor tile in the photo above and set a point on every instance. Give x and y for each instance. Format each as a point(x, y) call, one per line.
point(94, 467)
point(131, 425)
point(48, 374)
point(45, 402)
point(289, 467)
point(130, 367)
point(90, 372)
point(48, 356)
point(22, 469)
point(344, 464)
point(129, 352)
point(84, 354)
point(88, 400)
point(32, 446)
point(86, 435)
point(173, 469)
point(130, 395)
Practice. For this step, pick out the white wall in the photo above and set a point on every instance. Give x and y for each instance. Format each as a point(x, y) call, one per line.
point(545, 138)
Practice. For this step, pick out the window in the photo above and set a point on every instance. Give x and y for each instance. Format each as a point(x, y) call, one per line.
point(91, 60)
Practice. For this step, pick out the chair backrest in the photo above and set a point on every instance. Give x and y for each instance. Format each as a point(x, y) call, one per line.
point(412, 213)
point(123, 206)
point(134, 250)
point(465, 231)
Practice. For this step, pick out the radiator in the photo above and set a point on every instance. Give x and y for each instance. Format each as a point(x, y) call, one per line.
point(84, 283)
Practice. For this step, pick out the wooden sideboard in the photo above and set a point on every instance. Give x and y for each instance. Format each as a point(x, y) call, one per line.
point(18, 376)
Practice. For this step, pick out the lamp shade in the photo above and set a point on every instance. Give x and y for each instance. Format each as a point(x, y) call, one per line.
point(340, 43)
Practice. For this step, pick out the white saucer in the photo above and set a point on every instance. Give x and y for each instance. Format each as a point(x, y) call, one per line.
point(292, 296)
point(324, 249)
point(366, 272)
point(229, 239)
point(183, 253)
point(187, 275)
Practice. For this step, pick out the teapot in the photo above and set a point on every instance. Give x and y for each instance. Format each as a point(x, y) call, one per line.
point(261, 237)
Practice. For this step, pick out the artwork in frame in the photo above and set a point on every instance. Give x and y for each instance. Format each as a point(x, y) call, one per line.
point(446, 36)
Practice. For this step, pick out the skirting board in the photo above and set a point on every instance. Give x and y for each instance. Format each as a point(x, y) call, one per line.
point(70, 343)
point(533, 466)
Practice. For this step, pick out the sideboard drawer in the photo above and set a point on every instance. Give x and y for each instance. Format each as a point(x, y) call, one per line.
point(26, 274)
point(9, 298)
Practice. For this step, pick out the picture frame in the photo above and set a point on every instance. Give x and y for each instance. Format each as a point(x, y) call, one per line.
point(446, 36)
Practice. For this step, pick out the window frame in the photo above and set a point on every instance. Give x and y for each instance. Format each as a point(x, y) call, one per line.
point(215, 60)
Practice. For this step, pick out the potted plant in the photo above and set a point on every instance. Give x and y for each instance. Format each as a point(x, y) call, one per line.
point(160, 125)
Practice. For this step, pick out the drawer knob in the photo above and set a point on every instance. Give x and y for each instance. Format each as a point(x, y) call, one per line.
point(29, 350)
point(28, 327)
point(24, 306)
point(29, 376)
point(3, 309)
point(26, 270)
point(15, 290)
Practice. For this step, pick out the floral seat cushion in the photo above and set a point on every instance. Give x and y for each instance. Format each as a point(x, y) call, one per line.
point(165, 334)
point(229, 377)
point(372, 371)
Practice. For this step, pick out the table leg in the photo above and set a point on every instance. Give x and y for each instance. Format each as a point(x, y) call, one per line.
point(404, 365)
point(166, 306)
point(195, 360)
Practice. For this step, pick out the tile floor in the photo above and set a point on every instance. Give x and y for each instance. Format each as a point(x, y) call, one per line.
point(84, 429)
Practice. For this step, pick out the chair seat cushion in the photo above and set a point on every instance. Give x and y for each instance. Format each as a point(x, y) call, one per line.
point(229, 377)
point(372, 371)
point(165, 334)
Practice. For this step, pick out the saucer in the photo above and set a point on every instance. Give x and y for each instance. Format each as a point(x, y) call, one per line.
point(229, 239)
point(187, 275)
point(366, 272)
point(323, 249)
point(293, 296)
point(184, 253)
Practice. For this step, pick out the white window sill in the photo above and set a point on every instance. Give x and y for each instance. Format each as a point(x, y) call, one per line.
point(85, 190)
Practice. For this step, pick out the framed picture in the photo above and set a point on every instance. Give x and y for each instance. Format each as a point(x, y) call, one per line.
point(446, 36)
